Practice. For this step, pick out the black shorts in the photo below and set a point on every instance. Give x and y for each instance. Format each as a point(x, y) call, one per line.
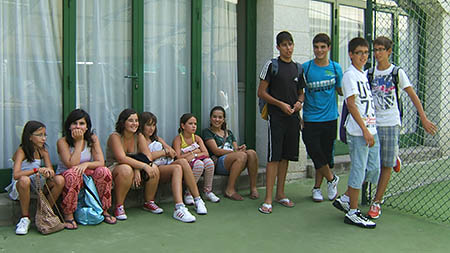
point(284, 135)
point(319, 138)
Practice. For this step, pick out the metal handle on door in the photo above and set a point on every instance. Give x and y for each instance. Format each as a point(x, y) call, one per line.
point(134, 77)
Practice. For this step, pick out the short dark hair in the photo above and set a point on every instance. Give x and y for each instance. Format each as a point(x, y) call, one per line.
point(123, 116)
point(148, 117)
point(74, 116)
point(284, 36)
point(357, 42)
point(322, 37)
point(383, 41)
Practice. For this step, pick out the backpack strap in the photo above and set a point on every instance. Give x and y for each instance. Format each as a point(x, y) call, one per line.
point(274, 66)
point(396, 80)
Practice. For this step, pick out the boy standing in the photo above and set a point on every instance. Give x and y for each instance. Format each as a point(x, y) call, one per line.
point(281, 91)
point(388, 114)
point(362, 136)
point(320, 113)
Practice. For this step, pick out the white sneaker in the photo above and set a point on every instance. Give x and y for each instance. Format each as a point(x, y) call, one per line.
point(317, 195)
point(332, 188)
point(341, 205)
point(188, 199)
point(359, 220)
point(200, 207)
point(22, 226)
point(183, 214)
point(212, 197)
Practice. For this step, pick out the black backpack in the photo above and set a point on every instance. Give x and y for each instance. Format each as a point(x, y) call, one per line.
point(263, 104)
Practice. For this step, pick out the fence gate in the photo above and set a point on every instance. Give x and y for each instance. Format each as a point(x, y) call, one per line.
point(420, 30)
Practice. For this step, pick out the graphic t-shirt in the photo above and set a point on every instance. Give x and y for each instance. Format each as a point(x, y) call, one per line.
point(355, 83)
point(221, 142)
point(383, 90)
point(320, 96)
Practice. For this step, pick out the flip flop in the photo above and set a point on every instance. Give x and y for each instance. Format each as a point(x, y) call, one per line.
point(234, 196)
point(108, 219)
point(265, 208)
point(72, 223)
point(254, 195)
point(286, 202)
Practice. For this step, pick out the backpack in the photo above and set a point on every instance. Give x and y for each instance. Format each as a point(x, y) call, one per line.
point(395, 80)
point(89, 208)
point(263, 104)
point(342, 129)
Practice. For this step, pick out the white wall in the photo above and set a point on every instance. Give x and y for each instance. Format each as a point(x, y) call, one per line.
point(274, 16)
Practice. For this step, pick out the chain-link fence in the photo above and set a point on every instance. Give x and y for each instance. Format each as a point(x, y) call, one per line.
point(420, 30)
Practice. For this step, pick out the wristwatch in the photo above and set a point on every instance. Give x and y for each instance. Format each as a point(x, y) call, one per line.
point(195, 155)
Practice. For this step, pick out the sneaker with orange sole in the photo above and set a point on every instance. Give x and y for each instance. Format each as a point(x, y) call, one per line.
point(375, 211)
point(398, 165)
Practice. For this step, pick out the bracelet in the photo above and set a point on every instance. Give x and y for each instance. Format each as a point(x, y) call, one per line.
point(35, 170)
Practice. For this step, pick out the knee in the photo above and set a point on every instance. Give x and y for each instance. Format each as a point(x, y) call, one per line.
point(178, 169)
point(123, 172)
point(251, 154)
point(199, 165)
point(59, 181)
point(24, 182)
point(102, 172)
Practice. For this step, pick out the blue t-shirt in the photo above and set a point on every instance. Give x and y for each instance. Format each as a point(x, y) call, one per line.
point(320, 97)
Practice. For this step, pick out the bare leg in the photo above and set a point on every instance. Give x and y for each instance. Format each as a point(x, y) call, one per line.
point(281, 179)
point(173, 173)
point(56, 185)
point(188, 177)
point(151, 186)
point(235, 163)
point(271, 173)
point(353, 194)
point(383, 182)
point(318, 179)
point(123, 178)
point(23, 187)
point(252, 166)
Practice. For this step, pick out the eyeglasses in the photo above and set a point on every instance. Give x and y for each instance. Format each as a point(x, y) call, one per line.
point(375, 50)
point(40, 135)
point(361, 53)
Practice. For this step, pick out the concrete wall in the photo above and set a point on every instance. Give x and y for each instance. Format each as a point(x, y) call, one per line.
point(274, 16)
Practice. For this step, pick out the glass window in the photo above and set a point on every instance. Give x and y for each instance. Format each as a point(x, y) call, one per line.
point(351, 25)
point(31, 70)
point(219, 61)
point(103, 59)
point(320, 15)
point(167, 63)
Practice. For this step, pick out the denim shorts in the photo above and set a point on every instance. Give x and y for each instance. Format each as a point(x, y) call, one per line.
point(220, 166)
point(365, 161)
point(388, 136)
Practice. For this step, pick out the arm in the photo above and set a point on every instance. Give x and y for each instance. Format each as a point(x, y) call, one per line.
point(262, 93)
point(427, 125)
point(116, 146)
point(69, 159)
point(143, 147)
point(339, 91)
point(170, 152)
point(212, 145)
point(301, 99)
point(18, 158)
point(370, 141)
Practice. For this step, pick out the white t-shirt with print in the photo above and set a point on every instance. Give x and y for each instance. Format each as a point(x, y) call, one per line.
point(383, 90)
point(354, 82)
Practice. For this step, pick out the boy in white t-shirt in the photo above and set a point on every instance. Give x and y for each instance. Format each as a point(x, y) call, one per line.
point(388, 115)
point(362, 135)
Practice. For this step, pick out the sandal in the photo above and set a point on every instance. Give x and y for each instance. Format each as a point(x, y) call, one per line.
point(71, 223)
point(234, 196)
point(254, 195)
point(265, 208)
point(109, 219)
point(286, 202)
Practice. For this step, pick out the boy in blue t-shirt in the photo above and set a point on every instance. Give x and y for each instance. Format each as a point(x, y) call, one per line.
point(320, 113)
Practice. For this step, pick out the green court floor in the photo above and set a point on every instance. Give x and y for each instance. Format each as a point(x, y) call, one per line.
point(238, 227)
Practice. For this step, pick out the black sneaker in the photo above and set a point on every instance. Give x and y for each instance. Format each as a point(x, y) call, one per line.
point(359, 220)
point(341, 205)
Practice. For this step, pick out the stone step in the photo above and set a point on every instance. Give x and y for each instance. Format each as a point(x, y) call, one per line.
point(10, 210)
